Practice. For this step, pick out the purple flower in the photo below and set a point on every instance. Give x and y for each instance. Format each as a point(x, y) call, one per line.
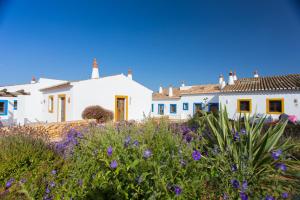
point(9, 182)
point(236, 136)
point(127, 141)
point(136, 143)
point(109, 151)
point(113, 164)
point(235, 183)
point(281, 166)
point(276, 154)
point(245, 185)
point(285, 195)
point(243, 196)
point(80, 182)
point(269, 198)
point(53, 172)
point(147, 153)
point(243, 132)
point(52, 184)
point(225, 196)
point(196, 155)
point(47, 190)
point(177, 190)
point(188, 138)
point(234, 168)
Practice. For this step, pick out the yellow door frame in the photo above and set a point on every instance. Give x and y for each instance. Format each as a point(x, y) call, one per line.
point(58, 106)
point(126, 106)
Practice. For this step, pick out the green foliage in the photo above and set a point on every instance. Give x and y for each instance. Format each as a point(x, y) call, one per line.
point(152, 160)
point(23, 157)
point(244, 144)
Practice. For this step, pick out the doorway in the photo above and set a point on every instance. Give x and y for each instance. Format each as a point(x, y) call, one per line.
point(61, 108)
point(121, 108)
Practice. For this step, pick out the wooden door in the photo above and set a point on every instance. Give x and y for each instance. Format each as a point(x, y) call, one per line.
point(62, 109)
point(120, 109)
point(197, 107)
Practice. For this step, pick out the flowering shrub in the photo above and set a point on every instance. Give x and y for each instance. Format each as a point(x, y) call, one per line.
point(98, 113)
point(220, 159)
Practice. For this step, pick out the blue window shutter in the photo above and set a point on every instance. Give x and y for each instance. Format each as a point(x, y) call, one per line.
point(5, 107)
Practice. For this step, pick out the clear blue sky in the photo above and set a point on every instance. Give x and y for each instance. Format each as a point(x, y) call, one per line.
point(163, 41)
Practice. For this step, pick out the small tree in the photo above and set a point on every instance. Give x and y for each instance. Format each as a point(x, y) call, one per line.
point(98, 113)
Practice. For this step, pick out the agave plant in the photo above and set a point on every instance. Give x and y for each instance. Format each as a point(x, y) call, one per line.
point(252, 150)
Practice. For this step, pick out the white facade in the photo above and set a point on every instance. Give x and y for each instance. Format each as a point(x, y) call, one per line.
point(29, 106)
point(291, 103)
point(206, 100)
point(102, 92)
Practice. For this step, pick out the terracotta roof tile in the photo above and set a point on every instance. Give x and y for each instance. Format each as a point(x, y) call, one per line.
point(268, 83)
point(190, 90)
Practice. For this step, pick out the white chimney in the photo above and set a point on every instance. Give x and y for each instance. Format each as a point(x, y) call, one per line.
point(129, 75)
point(221, 79)
point(33, 80)
point(160, 90)
point(170, 91)
point(95, 72)
point(256, 74)
point(223, 84)
point(230, 80)
point(234, 76)
point(182, 84)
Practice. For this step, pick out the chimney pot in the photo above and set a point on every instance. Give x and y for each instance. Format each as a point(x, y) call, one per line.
point(33, 80)
point(160, 89)
point(95, 72)
point(230, 80)
point(129, 75)
point(170, 91)
point(256, 74)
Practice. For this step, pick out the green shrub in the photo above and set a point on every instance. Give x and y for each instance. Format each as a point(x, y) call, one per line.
point(25, 161)
point(98, 113)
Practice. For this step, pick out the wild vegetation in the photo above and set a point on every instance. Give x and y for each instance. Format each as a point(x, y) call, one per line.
point(98, 113)
point(210, 157)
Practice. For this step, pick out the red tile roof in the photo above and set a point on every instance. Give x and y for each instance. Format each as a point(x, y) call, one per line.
point(269, 83)
point(190, 90)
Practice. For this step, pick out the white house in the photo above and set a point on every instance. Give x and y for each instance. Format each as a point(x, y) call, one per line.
point(49, 100)
point(182, 102)
point(23, 103)
point(271, 96)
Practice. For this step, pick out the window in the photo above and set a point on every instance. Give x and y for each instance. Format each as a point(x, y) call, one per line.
point(50, 104)
point(275, 106)
point(197, 107)
point(3, 107)
point(173, 108)
point(15, 105)
point(161, 109)
point(185, 106)
point(152, 107)
point(213, 107)
point(244, 105)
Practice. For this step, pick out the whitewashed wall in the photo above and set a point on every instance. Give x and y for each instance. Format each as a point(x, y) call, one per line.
point(259, 102)
point(190, 99)
point(103, 91)
point(54, 116)
point(32, 104)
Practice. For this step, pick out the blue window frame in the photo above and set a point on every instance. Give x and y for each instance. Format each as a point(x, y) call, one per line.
point(3, 107)
point(213, 106)
point(173, 108)
point(152, 107)
point(197, 107)
point(161, 109)
point(15, 105)
point(185, 106)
